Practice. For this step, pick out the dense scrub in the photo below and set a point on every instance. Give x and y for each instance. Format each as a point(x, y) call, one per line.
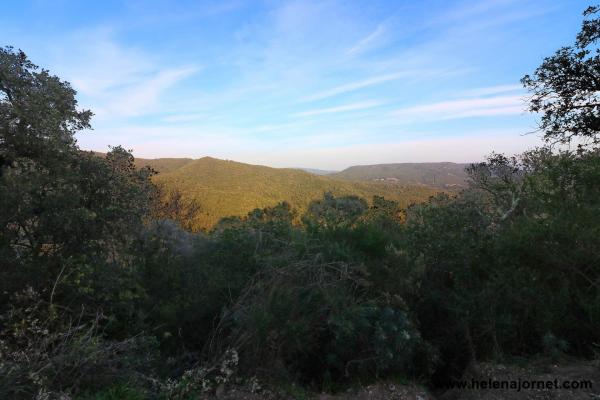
point(105, 293)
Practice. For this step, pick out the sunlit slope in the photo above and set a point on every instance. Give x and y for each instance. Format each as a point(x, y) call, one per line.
point(163, 165)
point(157, 164)
point(226, 188)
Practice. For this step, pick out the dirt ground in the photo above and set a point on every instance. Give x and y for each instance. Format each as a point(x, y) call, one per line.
point(572, 371)
point(381, 391)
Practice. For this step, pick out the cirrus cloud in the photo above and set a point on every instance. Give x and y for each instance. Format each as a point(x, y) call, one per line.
point(464, 108)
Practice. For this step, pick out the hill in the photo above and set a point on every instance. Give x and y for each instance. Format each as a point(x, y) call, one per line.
point(228, 188)
point(162, 165)
point(441, 175)
point(157, 164)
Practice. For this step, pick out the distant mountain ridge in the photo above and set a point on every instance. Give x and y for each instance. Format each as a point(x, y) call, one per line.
point(317, 171)
point(226, 188)
point(439, 174)
point(434, 174)
point(229, 188)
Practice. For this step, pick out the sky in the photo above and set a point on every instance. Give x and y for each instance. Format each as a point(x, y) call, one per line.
point(319, 84)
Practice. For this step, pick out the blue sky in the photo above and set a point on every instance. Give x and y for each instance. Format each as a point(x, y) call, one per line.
point(322, 84)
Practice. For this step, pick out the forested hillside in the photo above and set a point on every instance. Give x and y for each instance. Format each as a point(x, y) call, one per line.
point(107, 293)
point(162, 165)
point(228, 188)
point(441, 175)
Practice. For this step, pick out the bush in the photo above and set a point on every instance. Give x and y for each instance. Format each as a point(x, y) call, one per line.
point(316, 323)
point(43, 355)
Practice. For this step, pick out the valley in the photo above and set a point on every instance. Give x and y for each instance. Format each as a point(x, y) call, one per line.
point(226, 188)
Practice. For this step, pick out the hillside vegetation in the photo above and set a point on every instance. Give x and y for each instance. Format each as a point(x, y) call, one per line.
point(442, 174)
point(228, 188)
point(162, 165)
point(106, 294)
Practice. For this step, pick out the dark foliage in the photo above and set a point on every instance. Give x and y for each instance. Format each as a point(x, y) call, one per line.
point(565, 88)
point(105, 291)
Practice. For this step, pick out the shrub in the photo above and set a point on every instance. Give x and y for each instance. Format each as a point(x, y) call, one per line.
point(315, 321)
point(45, 354)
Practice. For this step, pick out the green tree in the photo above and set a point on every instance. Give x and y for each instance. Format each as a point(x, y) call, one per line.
point(38, 112)
point(69, 224)
point(69, 218)
point(566, 86)
point(335, 213)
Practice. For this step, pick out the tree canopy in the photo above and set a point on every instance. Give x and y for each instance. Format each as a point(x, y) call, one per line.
point(565, 88)
point(106, 292)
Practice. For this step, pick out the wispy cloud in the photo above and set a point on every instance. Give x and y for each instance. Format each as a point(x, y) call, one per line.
point(183, 118)
point(115, 80)
point(347, 107)
point(283, 75)
point(486, 91)
point(367, 41)
point(349, 87)
point(94, 62)
point(464, 108)
point(144, 96)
